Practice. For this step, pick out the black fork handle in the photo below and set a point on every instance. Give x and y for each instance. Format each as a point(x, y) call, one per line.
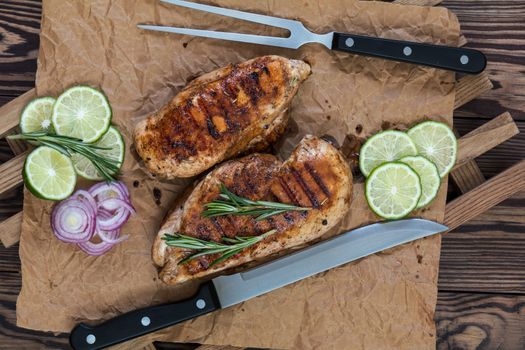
point(438, 56)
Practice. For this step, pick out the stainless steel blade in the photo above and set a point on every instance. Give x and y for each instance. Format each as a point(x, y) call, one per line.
point(299, 35)
point(323, 256)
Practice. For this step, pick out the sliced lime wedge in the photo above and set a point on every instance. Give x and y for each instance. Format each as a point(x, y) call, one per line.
point(393, 190)
point(384, 147)
point(49, 174)
point(429, 176)
point(436, 142)
point(82, 112)
point(113, 140)
point(36, 116)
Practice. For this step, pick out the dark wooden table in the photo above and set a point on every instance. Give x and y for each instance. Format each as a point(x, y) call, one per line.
point(481, 301)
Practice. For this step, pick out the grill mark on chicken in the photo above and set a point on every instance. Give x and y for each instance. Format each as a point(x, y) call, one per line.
point(317, 179)
point(218, 226)
point(296, 189)
point(250, 84)
point(186, 146)
point(306, 189)
point(288, 191)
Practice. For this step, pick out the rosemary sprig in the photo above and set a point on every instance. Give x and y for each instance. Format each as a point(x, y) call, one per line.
point(202, 247)
point(231, 204)
point(108, 168)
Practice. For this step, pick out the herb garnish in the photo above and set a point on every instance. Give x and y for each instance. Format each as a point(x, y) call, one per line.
point(231, 204)
point(203, 247)
point(66, 145)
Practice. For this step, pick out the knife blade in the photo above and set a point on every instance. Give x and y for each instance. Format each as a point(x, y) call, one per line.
point(225, 291)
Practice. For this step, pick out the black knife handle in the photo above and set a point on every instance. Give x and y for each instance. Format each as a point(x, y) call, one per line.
point(143, 321)
point(438, 56)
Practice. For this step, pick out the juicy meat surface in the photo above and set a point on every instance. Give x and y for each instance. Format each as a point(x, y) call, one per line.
point(219, 115)
point(316, 175)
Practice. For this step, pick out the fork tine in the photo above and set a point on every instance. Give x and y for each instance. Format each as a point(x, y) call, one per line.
point(247, 16)
point(245, 38)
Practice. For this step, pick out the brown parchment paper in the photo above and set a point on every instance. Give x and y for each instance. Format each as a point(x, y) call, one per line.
point(382, 302)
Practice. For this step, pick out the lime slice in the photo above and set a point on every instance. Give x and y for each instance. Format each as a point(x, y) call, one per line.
point(392, 190)
point(429, 176)
point(49, 174)
point(111, 139)
point(384, 147)
point(82, 112)
point(436, 142)
point(36, 116)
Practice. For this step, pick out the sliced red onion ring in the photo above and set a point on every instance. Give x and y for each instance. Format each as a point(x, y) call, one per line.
point(114, 221)
point(111, 237)
point(105, 190)
point(99, 248)
point(99, 212)
point(73, 220)
point(111, 203)
point(85, 195)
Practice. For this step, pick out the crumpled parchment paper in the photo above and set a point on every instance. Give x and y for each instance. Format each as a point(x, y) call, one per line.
point(382, 302)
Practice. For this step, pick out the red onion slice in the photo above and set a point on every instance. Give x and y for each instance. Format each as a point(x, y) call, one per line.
point(111, 203)
point(98, 213)
point(111, 237)
point(85, 195)
point(114, 221)
point(105, 190)
point(73, 220)
point(95, 249)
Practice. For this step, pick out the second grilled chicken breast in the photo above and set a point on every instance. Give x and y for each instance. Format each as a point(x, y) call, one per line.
point(219, 115)
point(316, 176)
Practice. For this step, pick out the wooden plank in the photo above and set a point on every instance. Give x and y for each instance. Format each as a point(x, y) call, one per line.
point(495, 28)
point(11, 173)
point(485, 196)
point(20, 27)
point(9, 260)
point(11, 112)
point(484, 255)
point(500, 157)
point(467, 177)
point(470, 87)
point(17, 146)
point(418, 2)
point(480, 321)
point(486, 137)
point(10, 230)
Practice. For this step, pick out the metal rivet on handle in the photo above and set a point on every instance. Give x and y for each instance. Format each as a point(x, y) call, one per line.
point(464, 59)
point(201, 304)
point(145, 321)
point(349, 42)
point(407, 51)
point(91, 339)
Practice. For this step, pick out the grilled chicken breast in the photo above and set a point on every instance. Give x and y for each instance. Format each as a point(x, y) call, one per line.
point(220, 115)
point(315, 175)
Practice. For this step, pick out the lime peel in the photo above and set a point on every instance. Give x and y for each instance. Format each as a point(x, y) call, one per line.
point(429, 176)
point(49, 174)
point(436, 142)
point(393, 190)
point(82, 112)
point(385, 146)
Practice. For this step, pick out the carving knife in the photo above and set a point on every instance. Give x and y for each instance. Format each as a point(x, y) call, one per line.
point(224, 291)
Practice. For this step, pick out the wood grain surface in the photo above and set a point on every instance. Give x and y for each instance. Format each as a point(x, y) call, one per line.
point(482, 272)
